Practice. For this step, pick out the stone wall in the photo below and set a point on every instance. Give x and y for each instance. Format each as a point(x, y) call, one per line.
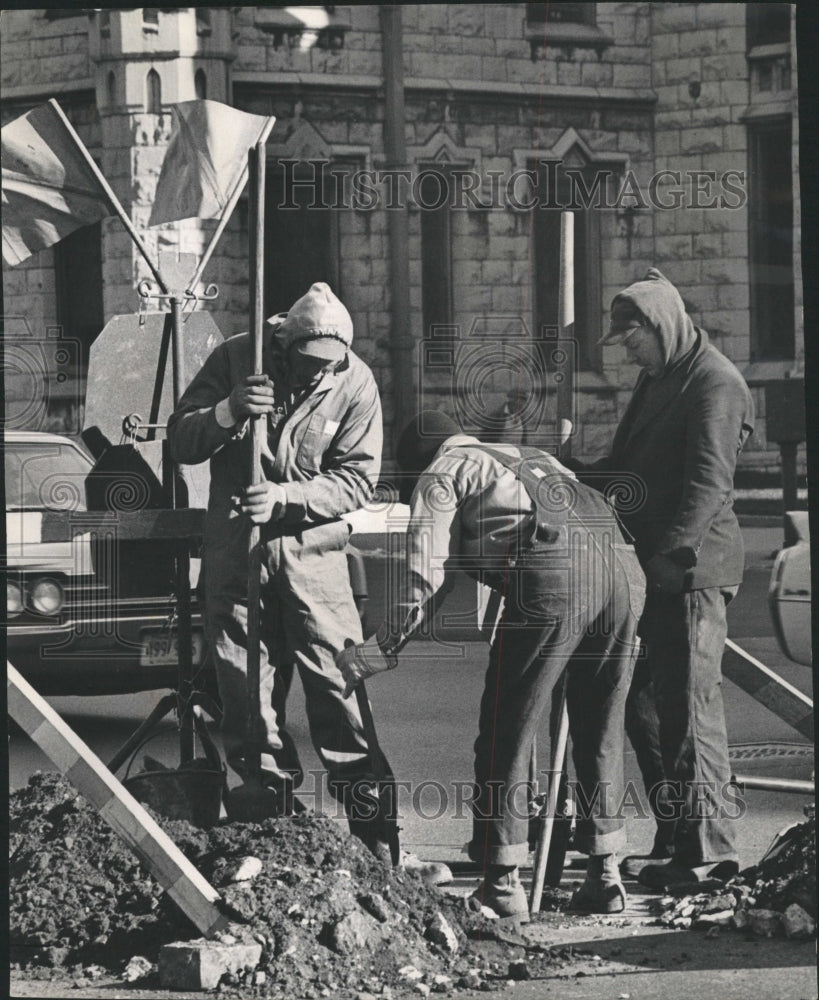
point(665, 92)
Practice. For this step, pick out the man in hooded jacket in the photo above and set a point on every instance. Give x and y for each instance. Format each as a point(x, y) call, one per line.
point(678, 443)
point(321, 457)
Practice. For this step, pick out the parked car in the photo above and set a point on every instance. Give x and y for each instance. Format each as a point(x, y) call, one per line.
point(789, 594)
point(73, 623)
point(91, 620)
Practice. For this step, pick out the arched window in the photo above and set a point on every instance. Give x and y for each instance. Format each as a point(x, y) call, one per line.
point(111, 88)
point(153, 93)
point(203, 24)
point(200, 83)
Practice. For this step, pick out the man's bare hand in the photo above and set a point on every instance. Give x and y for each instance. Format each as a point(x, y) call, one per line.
point(252, 397)
point(264, 502)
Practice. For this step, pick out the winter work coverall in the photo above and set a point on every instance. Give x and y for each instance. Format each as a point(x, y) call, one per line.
point(516, 519)
point(324, 447)
point(678, 442)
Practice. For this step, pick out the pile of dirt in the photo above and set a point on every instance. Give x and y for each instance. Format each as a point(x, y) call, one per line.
point(329, 915)
point(776, 896)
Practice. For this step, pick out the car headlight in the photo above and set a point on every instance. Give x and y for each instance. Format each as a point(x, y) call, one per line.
point(14, 599)
point(46, 596)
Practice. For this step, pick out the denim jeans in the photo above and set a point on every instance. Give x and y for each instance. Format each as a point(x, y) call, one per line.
point(547, 627)
point(682, 728)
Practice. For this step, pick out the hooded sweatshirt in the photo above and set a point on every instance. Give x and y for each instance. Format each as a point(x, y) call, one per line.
point(662, 305)
point(678, 442)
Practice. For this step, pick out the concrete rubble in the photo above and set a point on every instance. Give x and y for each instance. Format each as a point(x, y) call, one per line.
point(777, 896)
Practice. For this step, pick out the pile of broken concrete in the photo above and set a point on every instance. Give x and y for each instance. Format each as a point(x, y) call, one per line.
point(777, 897)
point(325, 915)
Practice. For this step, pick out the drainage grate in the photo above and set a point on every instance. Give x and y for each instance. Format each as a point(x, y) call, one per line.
point(770, 751)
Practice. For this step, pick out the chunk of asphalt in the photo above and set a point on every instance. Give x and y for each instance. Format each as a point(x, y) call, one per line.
point(199, 965)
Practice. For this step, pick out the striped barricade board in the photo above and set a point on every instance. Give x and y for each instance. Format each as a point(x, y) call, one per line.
point(768, 688)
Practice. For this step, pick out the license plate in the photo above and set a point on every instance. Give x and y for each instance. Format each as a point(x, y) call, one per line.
point(161, 649)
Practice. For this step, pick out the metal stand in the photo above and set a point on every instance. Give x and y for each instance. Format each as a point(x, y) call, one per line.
point(185, 700)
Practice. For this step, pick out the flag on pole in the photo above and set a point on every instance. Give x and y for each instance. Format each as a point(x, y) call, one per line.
point(206, 159)
point(49, 190)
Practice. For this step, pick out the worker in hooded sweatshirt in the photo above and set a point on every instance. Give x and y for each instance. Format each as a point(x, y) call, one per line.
point(321, 457)
point(679, 439)
point(514, 518)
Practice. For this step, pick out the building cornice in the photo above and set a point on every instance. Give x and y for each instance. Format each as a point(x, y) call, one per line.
point(474, 88)
point(71, 89)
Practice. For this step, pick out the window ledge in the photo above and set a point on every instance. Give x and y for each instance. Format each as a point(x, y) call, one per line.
point(569, 36)
point(593, 382)
point(769, 51)
point(776, 107)
point(760, 372)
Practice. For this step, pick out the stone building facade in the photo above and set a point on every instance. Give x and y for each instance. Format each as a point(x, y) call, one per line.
point(418, 161)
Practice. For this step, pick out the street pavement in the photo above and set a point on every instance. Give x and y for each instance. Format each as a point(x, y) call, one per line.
point(426, 712)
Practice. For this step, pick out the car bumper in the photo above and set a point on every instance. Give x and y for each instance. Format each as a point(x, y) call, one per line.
point(96, 655)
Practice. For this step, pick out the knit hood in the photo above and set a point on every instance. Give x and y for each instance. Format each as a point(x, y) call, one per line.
point(662, 305)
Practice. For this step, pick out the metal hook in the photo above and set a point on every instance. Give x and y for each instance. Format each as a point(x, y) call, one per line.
point(211, 292)
point(130, 426)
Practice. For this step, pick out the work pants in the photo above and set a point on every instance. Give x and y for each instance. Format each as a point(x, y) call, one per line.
point(307, 614)
point(643, 731)
point(580, 613)
point(683, 726)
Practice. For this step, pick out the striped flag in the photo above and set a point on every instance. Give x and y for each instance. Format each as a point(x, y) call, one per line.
point(206, 159)
point(49, 189)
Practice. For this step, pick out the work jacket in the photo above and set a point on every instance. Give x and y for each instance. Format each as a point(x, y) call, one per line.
point(323, 448)
point(471, 512)
point(674, 455)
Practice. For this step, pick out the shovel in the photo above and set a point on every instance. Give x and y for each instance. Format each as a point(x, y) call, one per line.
point(384, 778)
point(252, 801)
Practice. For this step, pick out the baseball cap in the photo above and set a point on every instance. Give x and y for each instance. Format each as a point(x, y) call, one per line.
point(625, 318)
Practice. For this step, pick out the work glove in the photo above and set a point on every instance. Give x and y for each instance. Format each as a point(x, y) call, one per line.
point(363, 660)
point(664, 574)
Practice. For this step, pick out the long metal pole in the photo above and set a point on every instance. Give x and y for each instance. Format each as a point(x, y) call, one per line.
point(565, 387)
point(253, 747)
point(548, 816)
point(395, 149)
point(109, 193)
point(565, 390)
point(187, 746)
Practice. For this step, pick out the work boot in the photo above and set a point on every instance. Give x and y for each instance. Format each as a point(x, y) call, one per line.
point(601, 891)
point(633, 864)
point(501, 891)
point(674, 872)
point(430, 872)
